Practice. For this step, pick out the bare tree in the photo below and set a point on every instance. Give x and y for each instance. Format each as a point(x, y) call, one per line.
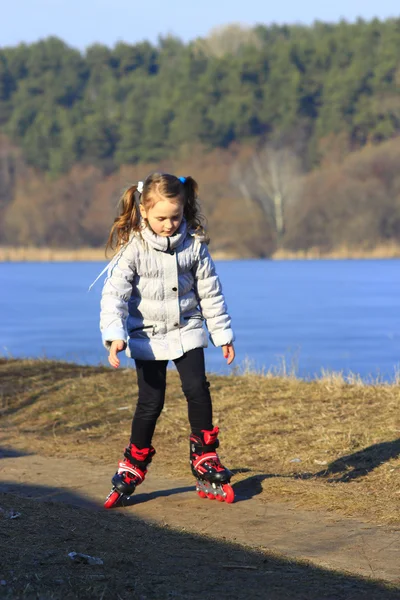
point(228, 39)
point(272, 180)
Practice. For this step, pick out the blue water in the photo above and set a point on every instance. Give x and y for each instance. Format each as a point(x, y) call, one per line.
point(309, 315)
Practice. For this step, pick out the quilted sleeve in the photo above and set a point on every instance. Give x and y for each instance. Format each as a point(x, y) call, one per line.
point(211, 299)
point(116, 292)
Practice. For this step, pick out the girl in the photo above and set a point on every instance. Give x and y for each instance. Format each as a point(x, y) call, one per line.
point(160, 287)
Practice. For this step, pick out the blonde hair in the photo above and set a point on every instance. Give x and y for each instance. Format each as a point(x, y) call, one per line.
point(156, 185)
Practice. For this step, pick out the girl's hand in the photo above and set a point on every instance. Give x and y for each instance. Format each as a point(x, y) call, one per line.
point(229, 353)
point(116, 346)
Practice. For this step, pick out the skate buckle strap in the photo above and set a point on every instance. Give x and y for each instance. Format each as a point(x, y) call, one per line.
point(205, 457)
point(140, 454)
point(123, 468)
point(210, 436)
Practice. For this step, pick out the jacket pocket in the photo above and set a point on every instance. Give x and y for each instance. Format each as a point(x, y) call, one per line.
point(193, 322)
point(143, 328)
point(198, 317)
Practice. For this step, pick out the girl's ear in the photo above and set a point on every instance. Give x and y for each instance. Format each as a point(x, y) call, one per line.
point(142, 211)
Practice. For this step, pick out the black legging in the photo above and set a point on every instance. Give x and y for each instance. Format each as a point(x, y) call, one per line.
point(152, 375)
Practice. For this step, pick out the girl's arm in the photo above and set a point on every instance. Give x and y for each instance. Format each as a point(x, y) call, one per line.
point(116, 292)
point(211, 299)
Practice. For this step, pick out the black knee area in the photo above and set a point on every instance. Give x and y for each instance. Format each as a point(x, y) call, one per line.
point(197, 389)
point(149, 408)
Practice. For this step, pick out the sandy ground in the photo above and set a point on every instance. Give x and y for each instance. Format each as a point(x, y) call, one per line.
point(251, 549)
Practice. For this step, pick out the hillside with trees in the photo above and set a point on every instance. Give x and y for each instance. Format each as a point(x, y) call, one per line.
point(291, 131)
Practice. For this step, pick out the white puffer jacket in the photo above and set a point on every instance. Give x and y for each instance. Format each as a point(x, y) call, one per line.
point(157, 294)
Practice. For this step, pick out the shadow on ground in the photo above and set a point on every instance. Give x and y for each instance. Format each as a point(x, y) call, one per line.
point(143, 561)
point(12, 453)
point(140, 498)
point(356, 465)
point(250, 487)
point(342, 470)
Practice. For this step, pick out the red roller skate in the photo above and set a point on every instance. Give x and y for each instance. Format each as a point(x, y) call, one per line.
point(212, 477)
point(131, 473)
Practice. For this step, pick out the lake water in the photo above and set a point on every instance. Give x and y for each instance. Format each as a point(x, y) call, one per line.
point(309, 315)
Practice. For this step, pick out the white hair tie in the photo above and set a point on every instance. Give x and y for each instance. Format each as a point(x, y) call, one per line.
point(140, 187)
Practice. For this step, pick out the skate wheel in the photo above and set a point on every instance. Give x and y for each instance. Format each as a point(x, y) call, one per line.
point(211, 496)
point(112, 499)
point(220, 498)
point(202, 494)
point(229, 493)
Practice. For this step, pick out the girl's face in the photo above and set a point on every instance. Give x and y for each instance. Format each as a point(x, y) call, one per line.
point(164, 217)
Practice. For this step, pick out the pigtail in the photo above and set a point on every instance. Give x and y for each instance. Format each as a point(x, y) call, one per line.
point(127, 221)
point(191, 211)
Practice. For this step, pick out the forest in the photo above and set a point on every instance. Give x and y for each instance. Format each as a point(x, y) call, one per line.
point(291, 131)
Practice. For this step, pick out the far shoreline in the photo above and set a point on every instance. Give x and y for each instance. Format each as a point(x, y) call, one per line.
point(33, 254)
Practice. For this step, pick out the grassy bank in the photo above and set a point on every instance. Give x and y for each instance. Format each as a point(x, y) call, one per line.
point(30, 254)
point(322, 444)
point(341, 253)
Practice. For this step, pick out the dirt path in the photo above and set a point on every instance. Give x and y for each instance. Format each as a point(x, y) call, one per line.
point(327, 541)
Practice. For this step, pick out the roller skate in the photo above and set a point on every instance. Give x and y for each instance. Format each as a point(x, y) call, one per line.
point(212, 477)
point(131, 473)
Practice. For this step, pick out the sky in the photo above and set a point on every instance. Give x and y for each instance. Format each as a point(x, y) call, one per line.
point(81, 23)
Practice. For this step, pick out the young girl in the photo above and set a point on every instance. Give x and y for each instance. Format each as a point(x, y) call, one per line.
point(160, 288)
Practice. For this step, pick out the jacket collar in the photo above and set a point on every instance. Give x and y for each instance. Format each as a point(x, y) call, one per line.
point(161, 243)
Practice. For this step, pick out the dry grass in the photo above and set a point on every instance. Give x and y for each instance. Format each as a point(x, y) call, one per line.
point(326, 444)
point(31, 254)
point(342, 252)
